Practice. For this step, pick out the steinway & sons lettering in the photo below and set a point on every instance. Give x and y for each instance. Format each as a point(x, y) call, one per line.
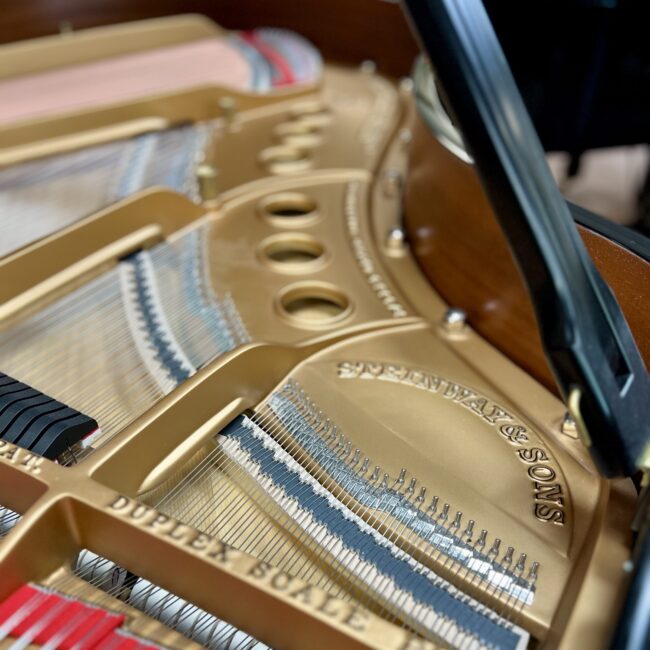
point(547, 491)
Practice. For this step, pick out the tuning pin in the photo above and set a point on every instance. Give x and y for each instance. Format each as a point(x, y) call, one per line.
point(521, 563)
point(457, 520)
point(420, 498)
point(411, 488)
point(532, 574)
point(495, 547)
point(507, 558)
point(365, 465)
point(355, 457)
point(348, 448)
point(469, 530)
point(401, 477)
point(482, 539)
point(375, 473)
point(433, 507)
point(309, 407)
point(445, 513)
point(305, 406)
point(384, 483)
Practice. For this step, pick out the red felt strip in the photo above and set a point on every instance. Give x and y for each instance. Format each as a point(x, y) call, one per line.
point(87, 637)
point(70, 623)
point(61, 620)
point(19, 598)
point(285, 73)
point(80, 632)
point(37, 613)
point(115, 641)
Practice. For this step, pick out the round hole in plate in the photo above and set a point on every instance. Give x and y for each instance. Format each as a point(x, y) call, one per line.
point(283, 159)
point(292, 253)
point(289, 209)
point(314, 305)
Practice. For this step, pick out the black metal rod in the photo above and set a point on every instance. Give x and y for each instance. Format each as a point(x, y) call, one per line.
point(586, 338)
point(633, 630)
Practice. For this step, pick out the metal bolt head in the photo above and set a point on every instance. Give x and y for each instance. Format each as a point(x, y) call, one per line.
point(454, 320)
point(395, 240)
point(568, 426)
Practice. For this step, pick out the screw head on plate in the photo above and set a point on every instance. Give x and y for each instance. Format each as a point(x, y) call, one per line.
point(395, 239)
point(454, 320)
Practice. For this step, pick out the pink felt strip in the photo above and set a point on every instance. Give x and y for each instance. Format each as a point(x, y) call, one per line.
point(209, 61)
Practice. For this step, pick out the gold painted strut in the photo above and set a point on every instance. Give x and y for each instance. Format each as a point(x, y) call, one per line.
point(487, 439)
point(103, 517)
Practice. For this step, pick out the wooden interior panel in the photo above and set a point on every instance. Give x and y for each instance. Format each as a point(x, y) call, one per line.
point(464, 254)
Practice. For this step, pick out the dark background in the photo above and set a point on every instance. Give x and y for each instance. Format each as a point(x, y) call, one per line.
point(583, 65)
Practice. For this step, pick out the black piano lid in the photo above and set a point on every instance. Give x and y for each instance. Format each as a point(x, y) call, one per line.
point(587, 341)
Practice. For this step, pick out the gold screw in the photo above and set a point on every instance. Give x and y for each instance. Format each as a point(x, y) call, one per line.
point(228, 107)
point(573, 403)
point(207, 177)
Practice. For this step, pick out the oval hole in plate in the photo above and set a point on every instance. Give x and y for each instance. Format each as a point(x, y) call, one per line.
point(295, 128)
point(314, 305)
point(283, 159)
point(308, 107)
point(297, 134)
point(292, 252)
point(314, 121)
point(289, 209)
